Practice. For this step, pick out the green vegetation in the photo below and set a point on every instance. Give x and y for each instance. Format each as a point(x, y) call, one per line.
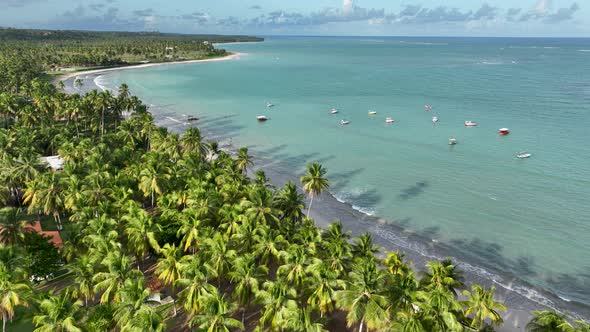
point(150, 216)
point(55, 50)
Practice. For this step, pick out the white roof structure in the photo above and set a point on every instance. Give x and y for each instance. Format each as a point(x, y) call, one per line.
point(55, 162)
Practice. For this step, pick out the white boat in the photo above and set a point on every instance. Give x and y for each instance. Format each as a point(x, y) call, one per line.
point(269, 105)
point(261, 118)
point(372, 113)
point(434, 119)
point(333, 111)
point(427, 108)
point(389, 120)
point(523, 155)
point(452, 141)
point(470, 124)
point(344, 122)
point(503, 131)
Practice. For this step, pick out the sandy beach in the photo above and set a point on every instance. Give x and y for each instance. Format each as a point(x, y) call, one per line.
point(327, 207)
point(68, 75)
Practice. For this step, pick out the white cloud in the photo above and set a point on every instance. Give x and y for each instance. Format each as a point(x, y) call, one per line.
point(542, 7)
point(347, 6)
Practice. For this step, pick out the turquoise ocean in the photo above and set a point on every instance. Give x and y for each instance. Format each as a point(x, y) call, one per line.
point(523, 224)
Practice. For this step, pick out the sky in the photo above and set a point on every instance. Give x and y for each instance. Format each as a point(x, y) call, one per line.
point(511, 18)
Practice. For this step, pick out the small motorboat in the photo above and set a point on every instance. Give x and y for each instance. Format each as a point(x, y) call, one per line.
point(452, 141)
point(503, 131)
point(344, 122)
point(372, 113)
point(523, 155)
point(261, 118)
point(192, 119)
point(389, 120)
point(269, 105)
point(333, 111)
point(434, 119)
point(427, 108)
point(470, 124)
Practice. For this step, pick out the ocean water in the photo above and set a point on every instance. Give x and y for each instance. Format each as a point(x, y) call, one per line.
point(526, 221)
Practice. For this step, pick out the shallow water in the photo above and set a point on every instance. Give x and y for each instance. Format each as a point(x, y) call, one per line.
point(503, 216)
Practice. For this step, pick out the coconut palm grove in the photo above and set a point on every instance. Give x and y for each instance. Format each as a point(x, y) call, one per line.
point(164, 232)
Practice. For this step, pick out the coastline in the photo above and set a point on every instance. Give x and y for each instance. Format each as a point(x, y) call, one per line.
point(329, 208)
point(68, 75)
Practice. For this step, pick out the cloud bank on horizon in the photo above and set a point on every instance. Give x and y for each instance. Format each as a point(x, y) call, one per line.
point(345, 17)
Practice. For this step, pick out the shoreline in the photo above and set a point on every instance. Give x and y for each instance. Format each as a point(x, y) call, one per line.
point(69, 75)
point(329, 208)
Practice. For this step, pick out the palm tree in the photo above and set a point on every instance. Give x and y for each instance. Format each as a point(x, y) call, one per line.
point(362, 297)
point(481, 305)
point(243, 160)
point(220, 255)
point(216, 316)
point(325, 284)
point(290, 202)
point(59, 313)
point(112, 280)
point(269, 244)
point(194, 275)
point(192, 142)
point(314, 182)
point(302, 322)
point(245, 275)
point(548, 321)
point(141, 232)
point(14, 292)
point(83, 270)
point(46, 194)
point(364, 247)
point(279, 305)
point(295, 270)
point(12, 228)
point(443, 274)
point(154, 176)
point(191, 230)
point(135, 298)
point(169, 267)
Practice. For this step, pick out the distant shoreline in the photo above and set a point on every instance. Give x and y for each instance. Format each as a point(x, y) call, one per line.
point(67, 76)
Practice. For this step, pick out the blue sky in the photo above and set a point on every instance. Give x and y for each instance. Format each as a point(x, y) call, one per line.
point(309, 17)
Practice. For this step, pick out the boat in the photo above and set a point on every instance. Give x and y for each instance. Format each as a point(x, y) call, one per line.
point(261, 118)
point(434, 119)
point(523, 155)
point(503, 131)
point(470, 124)
point(333, 111)
point(269, 105)
point(427, 107)
point(192, 119)
point(344, 122)
point(452, 141)
point(372, 113)
point(389, 120)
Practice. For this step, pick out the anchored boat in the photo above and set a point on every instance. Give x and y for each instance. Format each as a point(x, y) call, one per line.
point(470, 124)
point(261, 118)
point(503, 131)
point(389, 120)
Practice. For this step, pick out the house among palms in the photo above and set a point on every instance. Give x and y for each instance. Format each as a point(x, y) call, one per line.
point(56, 163)
point(53, 236)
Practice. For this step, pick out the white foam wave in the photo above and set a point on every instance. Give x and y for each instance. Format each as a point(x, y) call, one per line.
point(101, 84)
point(490, 63)
point(583, 50)
point(348, 198)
